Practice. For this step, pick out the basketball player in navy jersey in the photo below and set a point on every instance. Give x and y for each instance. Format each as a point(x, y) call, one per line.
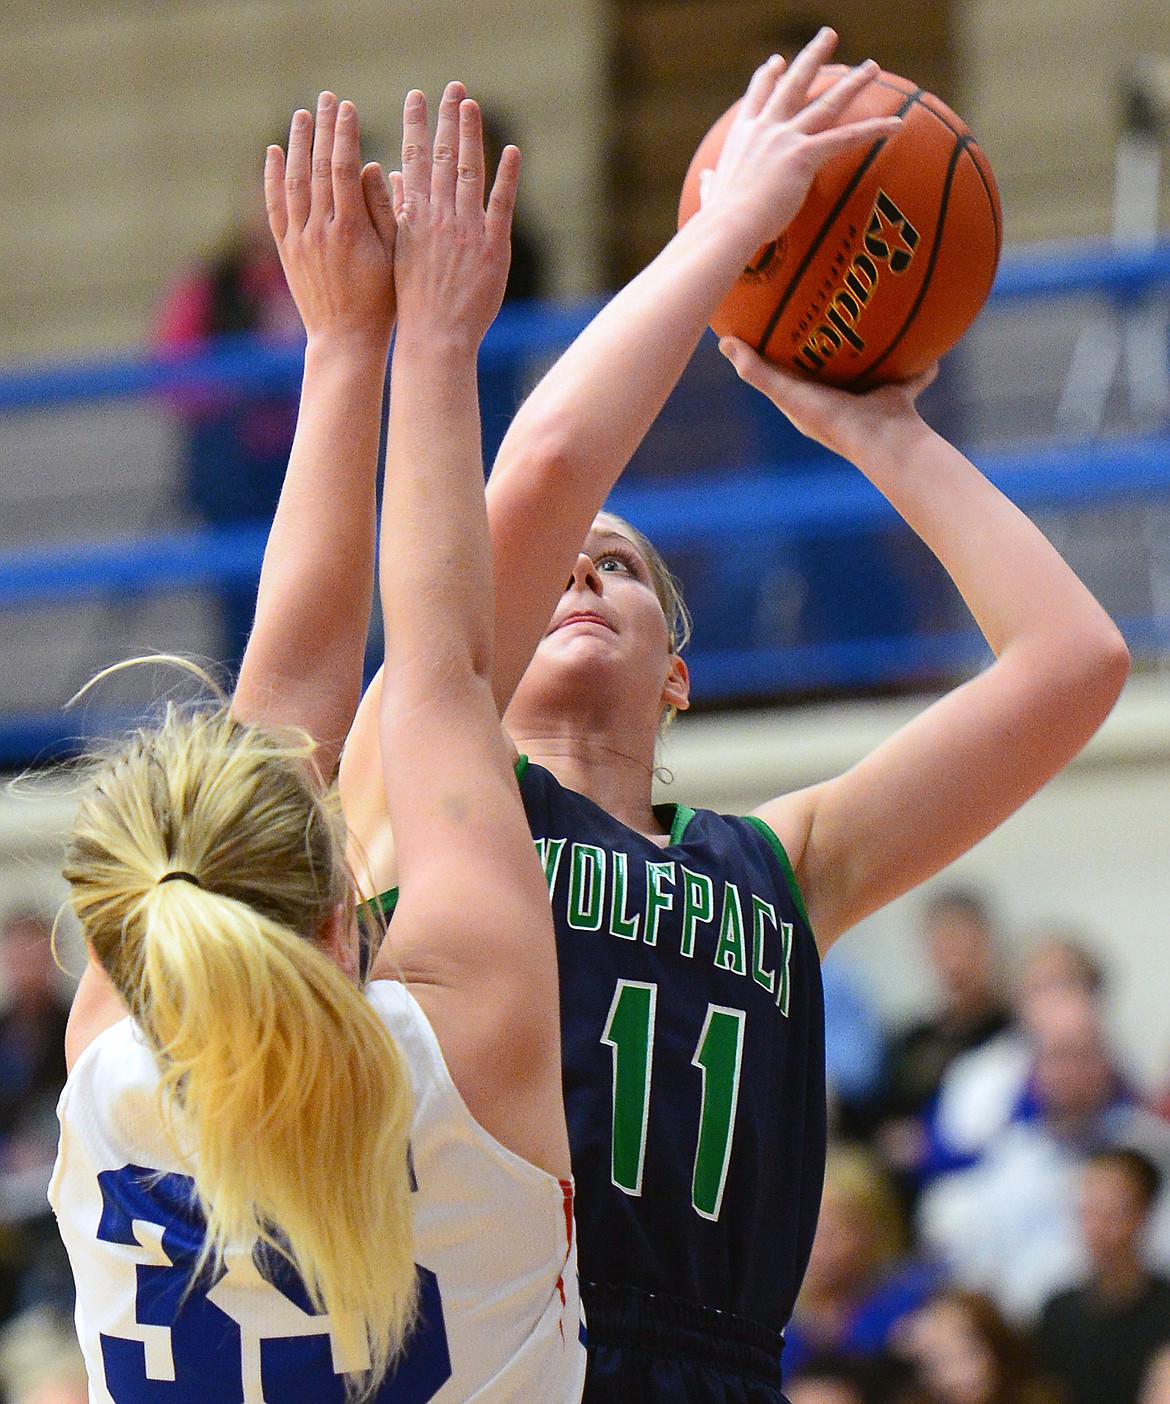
point(688, 943)
point(274, 1180)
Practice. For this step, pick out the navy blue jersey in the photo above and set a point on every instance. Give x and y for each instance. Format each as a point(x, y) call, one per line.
point(693, 1049)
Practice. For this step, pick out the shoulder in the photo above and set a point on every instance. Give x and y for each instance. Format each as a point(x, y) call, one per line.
point(114, 1058)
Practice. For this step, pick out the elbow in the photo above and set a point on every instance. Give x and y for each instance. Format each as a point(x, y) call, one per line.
point(1104, 670)
point(538, 450)
point(1113, 662)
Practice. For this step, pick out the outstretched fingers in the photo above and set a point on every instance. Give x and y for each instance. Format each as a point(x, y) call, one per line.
point(502, 201)
point(275, 200)
point(379, 202)
point(296, 169)
point(825, 110)
point(446, 152)
point(346, 174)
point(791, 90)
point(321, 180)
point(762, 86)
point(416, 153)
point(835, 141)
point(397, 193)
point(470, 172)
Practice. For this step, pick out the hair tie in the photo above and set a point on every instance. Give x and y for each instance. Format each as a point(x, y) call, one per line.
point(177, 874)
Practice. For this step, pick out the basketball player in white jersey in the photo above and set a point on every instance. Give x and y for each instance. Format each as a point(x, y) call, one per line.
point(275, 1185)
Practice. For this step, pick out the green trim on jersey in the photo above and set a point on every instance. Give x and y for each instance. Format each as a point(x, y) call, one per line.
point(676, 817)
point(757, 823)
point(384, 903)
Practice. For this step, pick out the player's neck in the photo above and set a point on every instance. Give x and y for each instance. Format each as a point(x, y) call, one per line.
point(608, 773)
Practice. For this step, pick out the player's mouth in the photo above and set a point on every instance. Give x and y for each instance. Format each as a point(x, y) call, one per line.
point(582, 616)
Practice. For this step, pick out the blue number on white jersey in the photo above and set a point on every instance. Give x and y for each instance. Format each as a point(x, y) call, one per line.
point(188, 1349)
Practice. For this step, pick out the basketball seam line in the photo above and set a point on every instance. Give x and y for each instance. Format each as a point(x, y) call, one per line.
point(925, 285)
point(968, 143)
point(815, 245)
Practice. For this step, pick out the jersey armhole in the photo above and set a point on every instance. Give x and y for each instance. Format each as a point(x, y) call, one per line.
point(785, 866)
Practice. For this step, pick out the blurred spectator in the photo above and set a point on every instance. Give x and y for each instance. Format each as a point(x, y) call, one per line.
point(1008, 1225)
point(984, 1088)
point(235, 442)
point(861, 1280)
point(33, 1266)
point(842, 1379)
point(966, 1353)
point(32, 1061)
point(855, 1046)
point(1099, 1337)
point(1061, 958)
point(971, 1009)
point(41, 1362)
point(1156, 1385)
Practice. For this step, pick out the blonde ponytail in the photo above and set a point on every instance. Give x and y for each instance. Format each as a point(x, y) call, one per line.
point(202, 857)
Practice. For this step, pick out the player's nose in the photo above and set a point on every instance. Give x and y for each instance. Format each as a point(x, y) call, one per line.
point(585, 576)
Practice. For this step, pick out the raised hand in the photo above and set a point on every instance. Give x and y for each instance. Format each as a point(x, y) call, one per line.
point(452, 255)
point(843, 420)
point(779, 139)
point(334, 225)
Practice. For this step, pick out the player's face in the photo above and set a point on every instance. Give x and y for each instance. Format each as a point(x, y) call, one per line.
point(608, 627)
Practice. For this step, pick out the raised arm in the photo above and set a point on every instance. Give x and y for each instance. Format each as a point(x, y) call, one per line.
point(472, 932)
point(579, 428)
point(334, 227)
point(949, 777)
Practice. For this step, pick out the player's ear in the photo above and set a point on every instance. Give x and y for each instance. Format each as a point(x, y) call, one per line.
point(676, 690)
point(337, 935)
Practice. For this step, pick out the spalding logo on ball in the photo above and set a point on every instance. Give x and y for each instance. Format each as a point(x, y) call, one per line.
point(889, 258)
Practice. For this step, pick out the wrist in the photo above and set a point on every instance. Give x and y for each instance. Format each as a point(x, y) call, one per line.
point(896, 443)
point(731, 233)
point(356, 346)
point(431, 345)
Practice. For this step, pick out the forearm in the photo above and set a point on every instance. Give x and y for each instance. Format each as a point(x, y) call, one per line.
point(435, 565)
point(303, 663)
point(571, 439)
point(597, 402)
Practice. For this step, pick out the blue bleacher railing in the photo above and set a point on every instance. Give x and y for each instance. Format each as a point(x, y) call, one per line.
point(709, 521)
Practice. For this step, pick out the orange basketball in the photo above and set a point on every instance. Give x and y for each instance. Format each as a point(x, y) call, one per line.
point(889, 258)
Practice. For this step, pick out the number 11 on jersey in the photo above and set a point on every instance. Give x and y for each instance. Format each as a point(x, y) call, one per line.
point(629, 1034)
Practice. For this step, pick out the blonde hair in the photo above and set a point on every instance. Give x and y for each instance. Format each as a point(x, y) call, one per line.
point(857, 1176)
point(203, 861)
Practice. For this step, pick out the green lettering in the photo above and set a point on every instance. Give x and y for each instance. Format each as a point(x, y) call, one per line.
point(657, 901)
point(549, 852)
point(785, 957)
point(586, 885)
point(621, 924)
point(760, 974)
point(698, 905)
point(730, 953)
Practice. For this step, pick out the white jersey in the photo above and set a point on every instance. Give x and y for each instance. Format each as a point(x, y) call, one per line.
point(500, 1312)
